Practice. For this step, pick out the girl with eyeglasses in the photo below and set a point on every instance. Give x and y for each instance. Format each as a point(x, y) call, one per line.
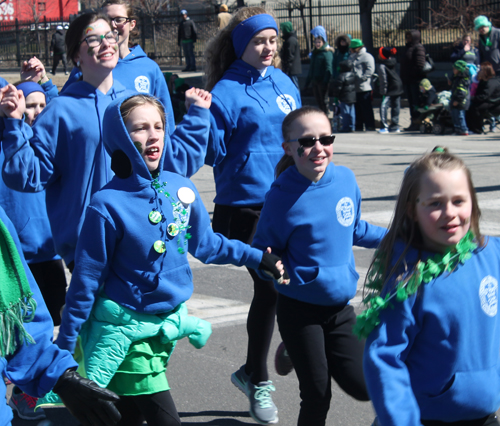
point(311, 219)
point(134, 69)
point(63, 152)
point(250, 98)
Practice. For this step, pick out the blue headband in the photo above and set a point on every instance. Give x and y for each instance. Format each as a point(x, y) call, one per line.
point(28, 87)
point(245, 30)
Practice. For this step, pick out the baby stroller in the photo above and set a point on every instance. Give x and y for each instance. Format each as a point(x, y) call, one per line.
point(437, 118)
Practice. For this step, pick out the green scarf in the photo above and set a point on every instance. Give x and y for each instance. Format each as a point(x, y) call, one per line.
point(423, 273)
point(17, 305)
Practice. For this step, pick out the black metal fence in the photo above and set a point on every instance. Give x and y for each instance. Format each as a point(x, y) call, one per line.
point(390, 20)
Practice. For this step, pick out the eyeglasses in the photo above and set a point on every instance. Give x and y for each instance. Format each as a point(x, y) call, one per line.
point(120, 20)
point(311, 141)
point(95, 40)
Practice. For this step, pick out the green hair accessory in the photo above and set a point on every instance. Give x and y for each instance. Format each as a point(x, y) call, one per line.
point(424, 272)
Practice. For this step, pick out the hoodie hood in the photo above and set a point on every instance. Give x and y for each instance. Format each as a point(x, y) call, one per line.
point(339, 38)
point(126, 161)
point(415, 37)
point(245, 73)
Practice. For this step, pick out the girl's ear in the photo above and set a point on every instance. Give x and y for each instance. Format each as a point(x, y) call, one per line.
point(410, 212)
point(286, 148)
point(133, 23)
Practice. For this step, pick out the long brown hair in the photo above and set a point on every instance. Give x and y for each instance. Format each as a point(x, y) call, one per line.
point(286, 127)
point(403, 226)
point(219, 53)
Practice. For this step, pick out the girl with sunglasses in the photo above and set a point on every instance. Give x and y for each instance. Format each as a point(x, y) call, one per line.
point(311, 219)
point(134, 69)
point(64, 152)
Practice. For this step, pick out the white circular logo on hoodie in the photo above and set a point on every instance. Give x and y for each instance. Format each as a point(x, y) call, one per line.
point(345, 211)
point(141, 84)
point(488, 295)
point(286, 103)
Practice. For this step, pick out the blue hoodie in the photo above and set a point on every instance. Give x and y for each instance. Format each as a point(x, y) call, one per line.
point(245, 135)
point(436, 356)
point(28, 212)
point(139, 73)
point(313, 226)
point(35, 368)
point(65, 154)
point(116, 250)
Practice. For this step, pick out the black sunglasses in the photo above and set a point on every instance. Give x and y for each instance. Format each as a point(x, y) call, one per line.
point(311, 141)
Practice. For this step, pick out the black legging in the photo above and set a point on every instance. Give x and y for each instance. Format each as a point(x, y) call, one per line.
point(240, 223)
point(51, 279)
point(321, 345)
point(157, 409)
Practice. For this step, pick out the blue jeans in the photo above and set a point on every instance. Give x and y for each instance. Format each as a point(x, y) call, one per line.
point(393, 102)
point(458, 117)
point(348, 113)
point(188, 49)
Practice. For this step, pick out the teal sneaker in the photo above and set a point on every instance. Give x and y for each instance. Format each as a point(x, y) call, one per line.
point(262, 408)
point(240, 379)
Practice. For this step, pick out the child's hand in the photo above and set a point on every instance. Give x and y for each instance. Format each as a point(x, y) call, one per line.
point(12, 102)
point(271, 265)
point(455, 103)
point(198, 97)
point(33, 70)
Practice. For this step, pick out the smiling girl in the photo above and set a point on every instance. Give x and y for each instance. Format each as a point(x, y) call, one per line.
point(311, 219)
point(64, 152)
point(250, 98)
point(432, 353)
point(132, 273)
point(134, 69)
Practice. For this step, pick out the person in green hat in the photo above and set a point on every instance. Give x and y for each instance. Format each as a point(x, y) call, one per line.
point(290, 53)
point(363, 67)
point(489, 38)
point(460, 97)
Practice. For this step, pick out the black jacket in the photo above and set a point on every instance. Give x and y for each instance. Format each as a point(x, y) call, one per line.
point(187, 31)
point(344, 87)
point(413, 60)
point(390, 83)
point(57, 44)
point(487, 92)
point(460, 84)
point(290, 54)
point(427, 98)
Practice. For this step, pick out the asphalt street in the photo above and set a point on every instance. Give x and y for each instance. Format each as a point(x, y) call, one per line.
point(200, 379)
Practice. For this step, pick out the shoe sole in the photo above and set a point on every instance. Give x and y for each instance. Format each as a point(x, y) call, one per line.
point(272, 422)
